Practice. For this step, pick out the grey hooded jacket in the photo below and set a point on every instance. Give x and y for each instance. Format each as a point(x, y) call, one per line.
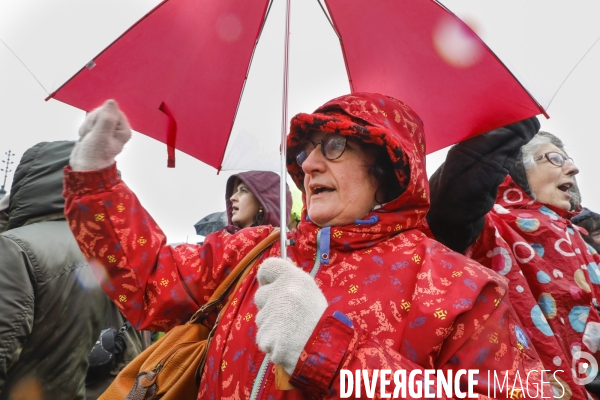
point(51, 306)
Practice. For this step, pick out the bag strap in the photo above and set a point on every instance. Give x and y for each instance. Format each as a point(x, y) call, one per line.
point(221, 291)
point(240, 271)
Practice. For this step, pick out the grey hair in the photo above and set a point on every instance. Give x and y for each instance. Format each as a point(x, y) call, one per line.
point(575, 195)
point(529, 150)
point(527, 159)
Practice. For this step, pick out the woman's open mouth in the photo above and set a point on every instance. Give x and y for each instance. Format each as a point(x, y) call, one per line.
point(565, 187)
point(317, 190)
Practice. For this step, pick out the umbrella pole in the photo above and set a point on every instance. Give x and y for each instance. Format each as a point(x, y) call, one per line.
point(281, 376)
point(284, 127)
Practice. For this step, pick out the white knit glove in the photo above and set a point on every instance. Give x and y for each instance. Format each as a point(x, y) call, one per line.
point(101, 137)
point(291, 304)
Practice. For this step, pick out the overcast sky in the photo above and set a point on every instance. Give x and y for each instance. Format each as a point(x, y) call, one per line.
point(54, 39)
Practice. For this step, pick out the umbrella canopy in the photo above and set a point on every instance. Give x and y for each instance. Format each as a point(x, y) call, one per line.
point(211, 223)
point(179, 72)
point(55, 39)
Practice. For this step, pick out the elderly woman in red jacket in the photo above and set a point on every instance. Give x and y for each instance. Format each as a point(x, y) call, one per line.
point(504, 199)
point(364, 288)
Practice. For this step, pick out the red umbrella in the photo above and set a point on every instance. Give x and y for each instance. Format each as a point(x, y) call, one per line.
point(179, 72)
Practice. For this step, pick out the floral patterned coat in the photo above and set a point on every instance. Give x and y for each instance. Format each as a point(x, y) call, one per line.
point(397, 298)
point(554, 277)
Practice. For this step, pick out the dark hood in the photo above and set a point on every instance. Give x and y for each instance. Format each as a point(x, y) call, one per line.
point(265, 186)
point(585, 213)
point(590, 221)
point(519, 175)
point(36, 192)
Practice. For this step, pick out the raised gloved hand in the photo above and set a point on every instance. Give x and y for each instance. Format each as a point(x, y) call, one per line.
point(101, 137)
point(290, 304)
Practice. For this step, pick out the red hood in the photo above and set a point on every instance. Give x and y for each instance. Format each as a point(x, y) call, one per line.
point(382, 120)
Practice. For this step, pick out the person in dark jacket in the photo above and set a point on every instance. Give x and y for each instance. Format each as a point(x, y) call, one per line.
point(252, 199)
point(51, 306)
point(590, 221)
point(504, 199)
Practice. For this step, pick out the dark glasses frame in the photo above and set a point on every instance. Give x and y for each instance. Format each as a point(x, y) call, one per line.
point(303, 150)
point(547, 157)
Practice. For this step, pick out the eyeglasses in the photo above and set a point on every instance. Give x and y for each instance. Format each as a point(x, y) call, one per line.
point(555, 158)
point(332, 147)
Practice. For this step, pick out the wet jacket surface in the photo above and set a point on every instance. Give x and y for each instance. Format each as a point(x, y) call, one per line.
point(554, 275)
point(51, 306)
point(397, 299)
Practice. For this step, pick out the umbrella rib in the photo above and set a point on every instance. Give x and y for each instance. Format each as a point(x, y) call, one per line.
point(329, 19)
point(573, 69)
point(541, 108)
point(245, 80)
point(26, 67)
point(265, 19)
point(255, 44)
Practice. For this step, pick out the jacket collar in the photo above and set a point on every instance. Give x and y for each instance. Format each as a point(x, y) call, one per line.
point(513, 196)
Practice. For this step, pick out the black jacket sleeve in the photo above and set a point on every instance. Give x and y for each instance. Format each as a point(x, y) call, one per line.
point(464, 187)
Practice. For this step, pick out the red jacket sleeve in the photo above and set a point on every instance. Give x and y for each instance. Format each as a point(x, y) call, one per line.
point(155, 285)
point(338, 344)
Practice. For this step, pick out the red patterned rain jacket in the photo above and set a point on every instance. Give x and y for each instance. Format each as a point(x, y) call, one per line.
point(397, 299)
point(554, 277)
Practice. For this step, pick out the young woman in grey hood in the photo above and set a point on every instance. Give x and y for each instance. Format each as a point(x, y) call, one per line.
point(253, 199)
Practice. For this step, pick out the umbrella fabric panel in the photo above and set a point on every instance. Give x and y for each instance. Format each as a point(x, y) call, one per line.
point(158, 61)
point(540, 42)
point(417, 51)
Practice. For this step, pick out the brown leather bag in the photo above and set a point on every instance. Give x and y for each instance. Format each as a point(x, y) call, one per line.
point(171, 368)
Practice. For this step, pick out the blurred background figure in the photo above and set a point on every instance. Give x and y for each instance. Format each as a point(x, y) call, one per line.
point(51, 306)
point(590, 221)
point(252, 199)
point(211, 223)
point(117, 345)
point(297, 206)
point(4, 213)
